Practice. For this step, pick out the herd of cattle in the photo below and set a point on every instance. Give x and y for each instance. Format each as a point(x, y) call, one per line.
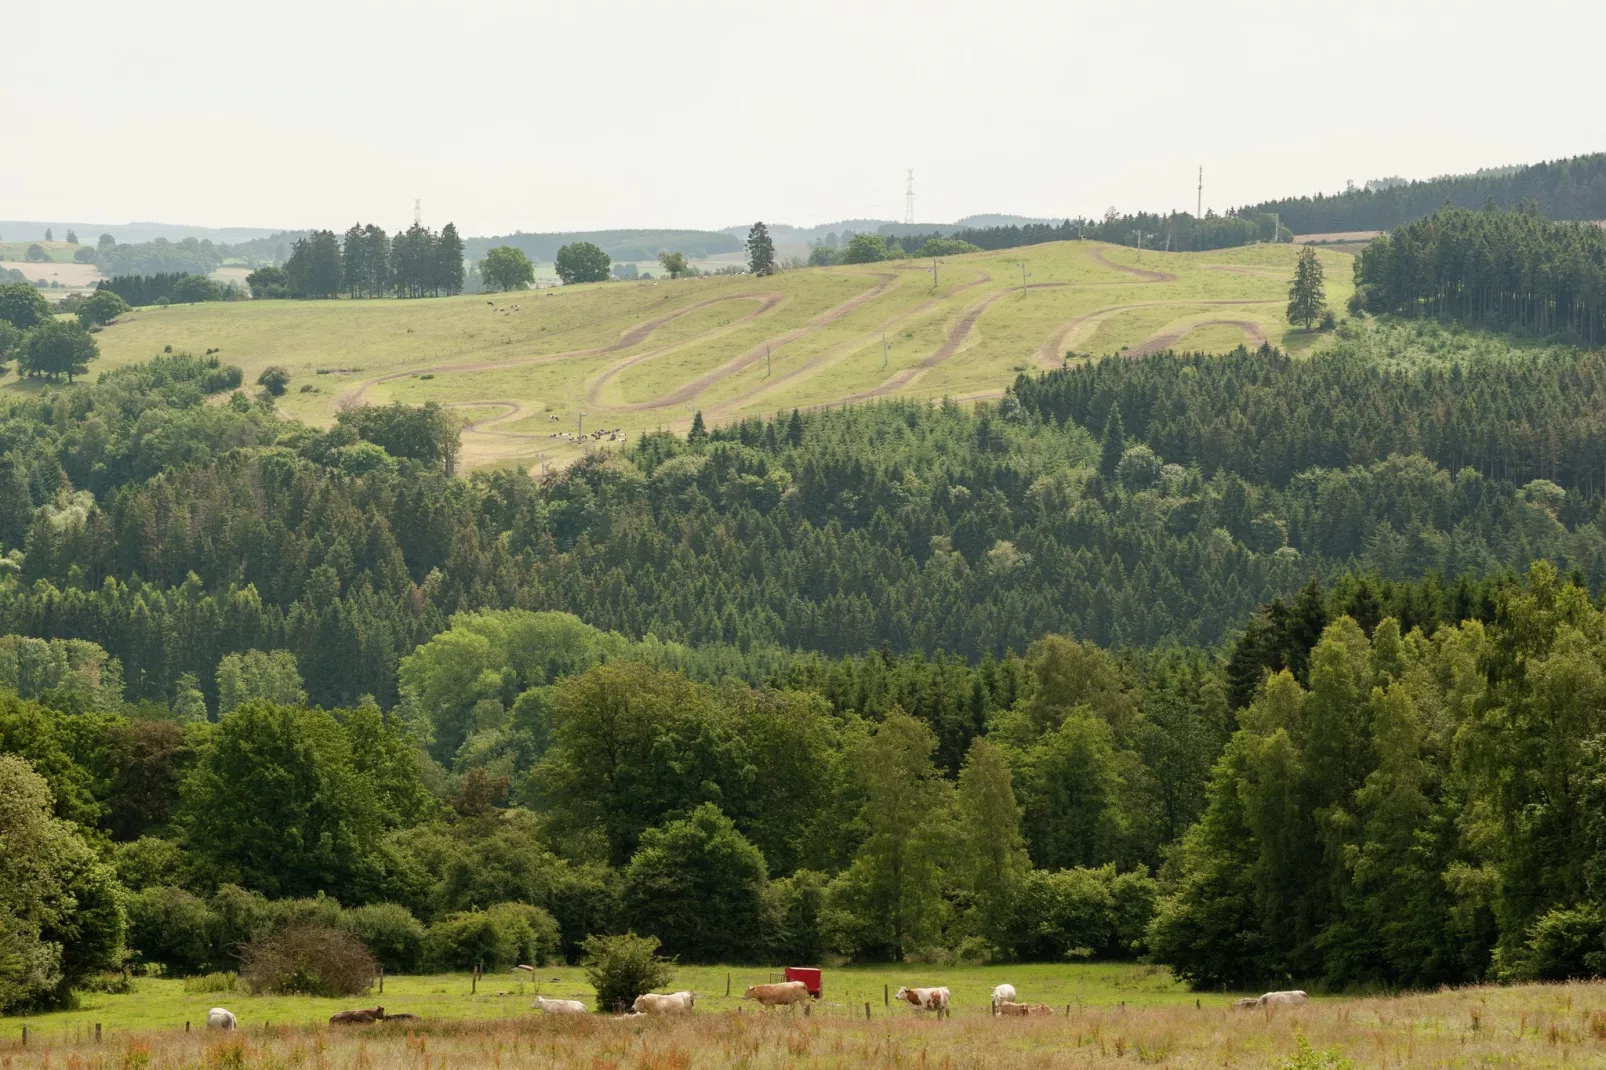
point(782, 994)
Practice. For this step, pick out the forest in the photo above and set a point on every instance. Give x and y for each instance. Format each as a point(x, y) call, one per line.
point(1272, 671)
point(1572, 189)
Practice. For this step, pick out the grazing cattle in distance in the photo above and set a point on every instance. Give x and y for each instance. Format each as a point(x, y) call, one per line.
point(926, 999)
point(784, 993)
point(218, 1018)
point(1291, 998)
point(559, 1006)
point(662, 1003)
point(1003, 994)
point(358, 1017)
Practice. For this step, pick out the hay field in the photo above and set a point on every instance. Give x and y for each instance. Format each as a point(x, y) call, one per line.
point(530, 369)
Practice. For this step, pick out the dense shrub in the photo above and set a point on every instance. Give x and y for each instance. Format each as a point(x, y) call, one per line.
point(505, 935)
point(1564, 944)
point(172, 927)
point(391, 934)
point(308, 960)
point(1076, 913)
point(622, 967)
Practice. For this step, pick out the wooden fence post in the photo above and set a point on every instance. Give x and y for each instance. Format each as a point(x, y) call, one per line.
point(381, 980)
point(886, 1001)
point(727, 984)
point(186, 1027)
point(97, 1032)
point(25, 1036)
point(867, 1010)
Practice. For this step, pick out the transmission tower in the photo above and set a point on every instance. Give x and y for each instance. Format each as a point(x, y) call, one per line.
point(418, 211)
point(909, 198)
point(1198, 211)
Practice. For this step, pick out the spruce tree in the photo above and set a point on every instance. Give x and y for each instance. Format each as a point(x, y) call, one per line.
point(698, 432)
point(1307, 296)
point(794, 430)
point(1113, 445)
point(449, 269)
point(760, 250)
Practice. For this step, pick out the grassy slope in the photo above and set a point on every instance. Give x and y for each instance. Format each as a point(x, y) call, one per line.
point(514, 361)
point(59, 252)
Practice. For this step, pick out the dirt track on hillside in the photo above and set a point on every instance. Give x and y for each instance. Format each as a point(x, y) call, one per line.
point(1161, 342)
point(685, 392)
point(1143, 273)
point(1049, 354)
point(630, 337)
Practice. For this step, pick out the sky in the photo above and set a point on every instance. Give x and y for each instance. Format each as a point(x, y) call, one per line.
point(543, 116)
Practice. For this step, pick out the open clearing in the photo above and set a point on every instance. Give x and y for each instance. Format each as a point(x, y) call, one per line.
point(637, 356)
point(1117, 1016)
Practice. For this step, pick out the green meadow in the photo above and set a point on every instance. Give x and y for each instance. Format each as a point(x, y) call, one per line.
point(528, 368)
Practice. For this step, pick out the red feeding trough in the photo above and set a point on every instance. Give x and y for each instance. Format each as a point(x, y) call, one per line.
point(809, 975)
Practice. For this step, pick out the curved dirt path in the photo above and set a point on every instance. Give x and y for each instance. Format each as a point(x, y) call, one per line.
point(1259, 273)
point(836, 353)
point(1161, 342)
point(1050, 353)
point(686, 391)
point(631, 336)
point(1145, 274)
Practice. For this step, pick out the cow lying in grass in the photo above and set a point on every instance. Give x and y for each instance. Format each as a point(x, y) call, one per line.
point(664, 1003)
point(559, 1006)
point(358, 1017)
point(1023, 1010)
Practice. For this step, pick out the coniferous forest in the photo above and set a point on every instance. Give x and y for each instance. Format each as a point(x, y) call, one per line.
point(1269, 670)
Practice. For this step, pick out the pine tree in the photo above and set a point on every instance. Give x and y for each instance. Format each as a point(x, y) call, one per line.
point(1113, 444)
point(355, 250)
point(1307, 296)
point(449, 268)
point(698, 433)
point(760, 250)
point(794, 430)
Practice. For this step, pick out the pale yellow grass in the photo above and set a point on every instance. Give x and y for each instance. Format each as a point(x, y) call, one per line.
point(1533, 1026)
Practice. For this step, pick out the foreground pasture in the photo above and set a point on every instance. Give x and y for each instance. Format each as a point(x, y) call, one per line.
point(1533, 1026)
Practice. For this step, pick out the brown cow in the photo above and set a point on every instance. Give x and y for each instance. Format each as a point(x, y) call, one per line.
point(785, 993)
point(1018, 1009)
point(359, 1017)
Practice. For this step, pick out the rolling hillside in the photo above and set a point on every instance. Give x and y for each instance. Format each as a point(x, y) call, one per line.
point(528, 369)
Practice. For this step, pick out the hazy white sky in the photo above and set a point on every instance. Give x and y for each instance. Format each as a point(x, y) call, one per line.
point(703, 113)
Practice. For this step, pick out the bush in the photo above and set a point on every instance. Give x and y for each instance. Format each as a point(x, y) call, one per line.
point(622, 967)
point(173, 927)
point(502, 936)
point(1564, 944)
point(1080, 912)
point(391, 934)
point(148, 862)
point(211, 982)
point(308, 960)
point(274, 379)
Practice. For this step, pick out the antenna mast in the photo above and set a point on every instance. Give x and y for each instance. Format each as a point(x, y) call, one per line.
point(418, 211)
point(1198, 211)
point(909, 198)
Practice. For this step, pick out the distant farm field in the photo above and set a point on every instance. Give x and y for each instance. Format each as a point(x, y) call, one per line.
point(530, 369)
point(1116, 1019)
point(60, 252)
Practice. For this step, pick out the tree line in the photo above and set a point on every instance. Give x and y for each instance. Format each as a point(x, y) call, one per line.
point(1569, 189)
point(366, 262)
point(1503, 269)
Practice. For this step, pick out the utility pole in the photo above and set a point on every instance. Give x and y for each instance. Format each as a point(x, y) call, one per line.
point(934, 263)
point(1277, 228)
point(766, 360)
point(418, 211)
point(1024, 275)
point(909, 199)
point(542, 456)
point(1141, 236)
point(1198, 211)
point(883, 350)
point(580, 425)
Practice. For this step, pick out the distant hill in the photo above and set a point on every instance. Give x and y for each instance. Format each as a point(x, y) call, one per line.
point(786, 232)
point(128, 233)
point(618, 244)
point(1561, 189)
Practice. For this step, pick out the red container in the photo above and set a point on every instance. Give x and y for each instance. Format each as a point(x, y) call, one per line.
point(809, 975)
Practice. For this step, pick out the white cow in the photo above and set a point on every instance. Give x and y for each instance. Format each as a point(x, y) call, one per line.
point(218, 1018)
point(559, 1006)
point(662, 1003)
point(1291, 998)
point(1003, 994)
point(926, 999)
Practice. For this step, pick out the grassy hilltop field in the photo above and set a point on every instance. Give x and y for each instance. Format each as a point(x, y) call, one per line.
point(523, 367)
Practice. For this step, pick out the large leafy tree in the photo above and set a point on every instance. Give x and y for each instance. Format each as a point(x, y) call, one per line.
point(61, 915)
point(54, 349)
point(581, 261)
point(506, 268)
point(698, 885)
point(22, 306)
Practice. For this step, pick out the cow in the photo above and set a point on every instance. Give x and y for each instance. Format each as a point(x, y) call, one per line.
point(1039, 1010)
point(218, 1018)
point(1001, 994)
point(1291, 998)
point(358, 1017)
point(402, 1018)
point(1245, 1003)
point(1019, 1010)
point(664, 1003)
point(926, 999)
point(559, 1006)
point(786, 993)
